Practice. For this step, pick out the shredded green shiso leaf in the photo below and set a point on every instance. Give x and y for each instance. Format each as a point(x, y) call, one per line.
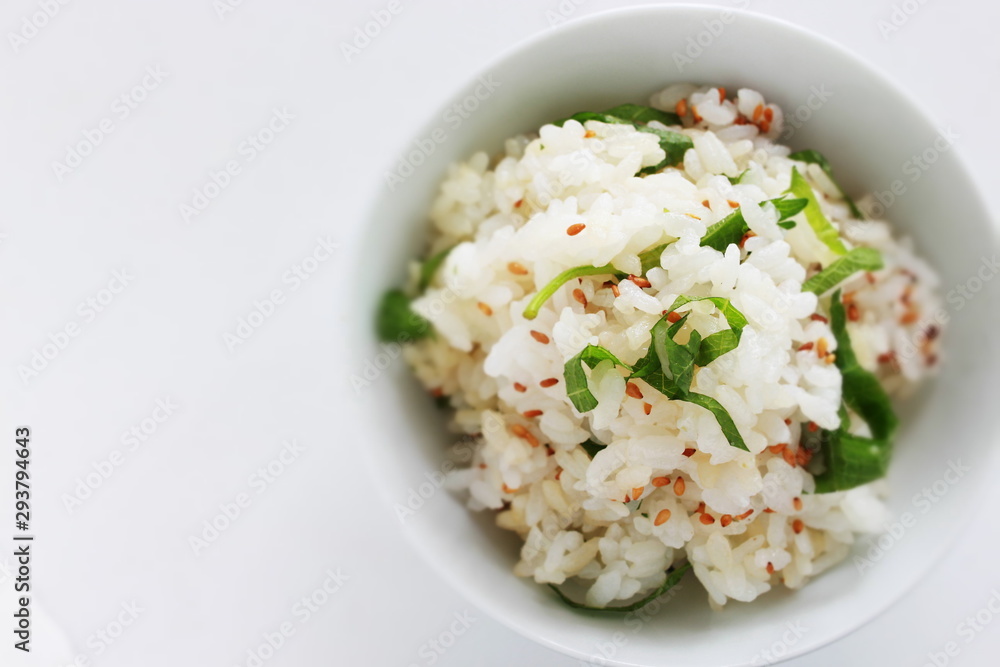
point(674, 575)
point(811, 156)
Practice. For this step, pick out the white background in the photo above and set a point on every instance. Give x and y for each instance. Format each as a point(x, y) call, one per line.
point(162, 336)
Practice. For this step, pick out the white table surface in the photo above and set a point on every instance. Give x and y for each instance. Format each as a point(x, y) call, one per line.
point(161, 336)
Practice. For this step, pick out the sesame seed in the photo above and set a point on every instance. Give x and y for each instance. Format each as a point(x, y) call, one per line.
point(816, 317)
point(661, 518)
point(853, 313)
point(797, 503)
point(549, 382)
point(769, 114)
point(701, 507)
point(758, 113)
point(768, 510)
point(909, 317)
point(647, 408)
point(746, 237)
point(660, 481)
point(822, 347)
point(558, 473)
point(722, 94)
point(679, 486)
point(614, 290)
point(540, 337)
point(707, 519)
point(830, 358)
point(725, 520)
point(777, 449)
point(580, 297)
point(507, 489)
point(807, 346)
point(482, 466)
point(744, 515)
point(674, 317)
point(519, 430)
point(886, 357)
point(798, 526)
point(932, 332)
point(637, 492)
point(518, 203)
point(770, 568)
point(692, 215)
point(517, 269)
point(632, 389)
point(639, 281)
point(789, 456)
point(485, 308)
point(765, 126)
point(589, 134)
point(704, 202)
point(689, 452)
point(813, 427)
point(695, 115)
point(732, 204)
point(788, 422)
point(531, 414)
point(573, 230)
point(520, 387)
point(681, 108)
point(803, 456)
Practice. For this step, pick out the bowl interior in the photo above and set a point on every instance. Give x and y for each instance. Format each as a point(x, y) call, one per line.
point(871, 133)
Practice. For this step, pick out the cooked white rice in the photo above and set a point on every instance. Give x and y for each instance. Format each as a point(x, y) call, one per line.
point(746, 521)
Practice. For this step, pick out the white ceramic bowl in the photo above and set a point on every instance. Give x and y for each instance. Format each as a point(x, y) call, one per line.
point(869, 130)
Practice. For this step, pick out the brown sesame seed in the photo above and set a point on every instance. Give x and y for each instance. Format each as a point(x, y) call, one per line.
point(769, 114)
point(777, 449)
point(797, 504)
point(540, 337)
point(768, 510)
point(758, 113)
point(674, 317)
point(853, 313)
point(770, 568)
point(813, 427)
point(660, 481)
point(744, 515)
point(887, 357)
point(732, 204)
point(909, 317)
point(632, 389)
point(746, 237)
point(661, 517)
point(580, 297)
point(830, 358)
point(789, 456)
point(932, 332)
point(558, 473)
point(573, 230)
point(531, 414)
point(518, 430)
point(788, 422)
point(639, 281)
point(628, 498)
point(589, 134)
point(482, 466)
point(485, 308)
point(741, 120)
point(798, 526)
point(695, 115)
point(816, 317)
point(518, 203)
point(681, 107)
point(517, 269)
point(507, 489)
point(807, 346)
point(725, 520)
point(647, 408)
point(821, 347)
point(765, 126)
point(520, 387)
point(704, 202)
point(614, 290)
point(701, 507)
point(549, 382)
point(689, 452)
point(722, 94)
point(803, 456)
point(637, 492)
point(679, 486)
point(707, 519)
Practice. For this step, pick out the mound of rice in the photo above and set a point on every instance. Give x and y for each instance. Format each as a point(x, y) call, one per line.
point(569, 197)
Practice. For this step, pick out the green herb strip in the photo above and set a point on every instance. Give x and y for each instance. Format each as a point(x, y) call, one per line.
point(823, 228)
point(815, 157)
point(859, 259)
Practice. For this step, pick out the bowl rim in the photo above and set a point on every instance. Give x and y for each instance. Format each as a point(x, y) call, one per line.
point(500, 612)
